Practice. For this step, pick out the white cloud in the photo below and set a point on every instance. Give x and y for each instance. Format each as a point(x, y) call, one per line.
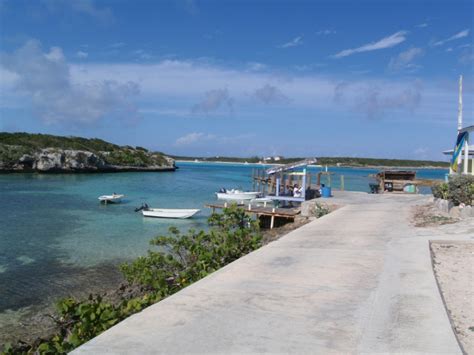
point(46, 79)
point(177, 84)
point(309, 67)
point(81, 54)
point(117, 45)
point(297, 41)
point(386, 42)
point(191, 7)
point(169, 88)
point(166, 112)
point(142, 54)
point(269, 94)
point(325, 32)
point(198, 138)
point(404, 61)
point(85, 7)
point(458, 35)
point(55, 55)
point(213, 100)
point(422, 25)
point(421, 153)
point(193, 138)
point(256, 66)
point(467, 57)
point(375, 99)
point(88, 7)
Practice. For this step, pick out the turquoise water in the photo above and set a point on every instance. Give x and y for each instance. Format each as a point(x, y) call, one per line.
point(53, 228)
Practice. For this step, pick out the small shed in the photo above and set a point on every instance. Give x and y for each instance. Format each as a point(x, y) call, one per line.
point(290, 172)
point(396, 180)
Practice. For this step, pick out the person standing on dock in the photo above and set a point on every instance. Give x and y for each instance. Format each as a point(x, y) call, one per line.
point(296, 191)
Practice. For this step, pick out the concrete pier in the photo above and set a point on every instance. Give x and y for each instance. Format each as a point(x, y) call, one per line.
point(358, 280)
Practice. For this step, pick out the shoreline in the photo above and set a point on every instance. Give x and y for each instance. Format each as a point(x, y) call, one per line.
point(29, 323)
point(89, 171)
point(317, 249)
point(322, 166)
point(32, 321)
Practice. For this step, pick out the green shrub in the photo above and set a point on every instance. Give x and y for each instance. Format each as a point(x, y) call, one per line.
point(440, 190)
point(320, 210)
point(181, 260)
point(461, 189)
point(184, 259)
point(40, 141)
point(11, 154)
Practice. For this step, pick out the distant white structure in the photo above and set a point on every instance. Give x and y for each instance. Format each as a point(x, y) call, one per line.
point(463, 152)
point(277, 158)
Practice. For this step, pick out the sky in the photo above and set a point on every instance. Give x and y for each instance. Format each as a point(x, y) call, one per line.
point(241, 78)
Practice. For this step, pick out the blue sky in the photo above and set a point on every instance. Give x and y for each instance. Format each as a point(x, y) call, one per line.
point(293, 78)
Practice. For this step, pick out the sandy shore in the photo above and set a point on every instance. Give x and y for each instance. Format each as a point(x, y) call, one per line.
point(453, 263)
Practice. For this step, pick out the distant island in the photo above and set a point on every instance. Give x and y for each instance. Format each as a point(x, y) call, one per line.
point(330, 161)
point(25, 152)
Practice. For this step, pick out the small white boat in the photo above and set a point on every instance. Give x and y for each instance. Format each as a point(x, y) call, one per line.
point(237, 195)
point(262, 201)
point(111, 198)
point(169, 213)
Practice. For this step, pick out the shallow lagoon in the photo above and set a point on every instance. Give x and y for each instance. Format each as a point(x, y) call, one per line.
point(55, 237)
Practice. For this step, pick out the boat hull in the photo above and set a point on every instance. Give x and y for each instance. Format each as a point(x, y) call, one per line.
point(237, 196)
point(111, 198)
point(262, 201)
point(169, 213)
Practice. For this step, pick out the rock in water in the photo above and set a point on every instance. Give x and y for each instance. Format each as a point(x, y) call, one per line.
point(30, 156)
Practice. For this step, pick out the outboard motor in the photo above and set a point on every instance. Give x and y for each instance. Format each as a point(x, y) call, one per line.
point(144, 206)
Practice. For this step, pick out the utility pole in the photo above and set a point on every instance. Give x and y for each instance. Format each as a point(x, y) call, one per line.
point(460, 105)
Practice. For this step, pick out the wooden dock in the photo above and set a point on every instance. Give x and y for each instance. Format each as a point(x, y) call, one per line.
point(259, 211)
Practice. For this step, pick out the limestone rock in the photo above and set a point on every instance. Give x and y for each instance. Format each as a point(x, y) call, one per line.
point(65, 160)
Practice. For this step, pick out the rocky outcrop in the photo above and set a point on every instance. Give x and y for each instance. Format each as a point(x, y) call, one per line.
point(462, 211)
point(68, 161)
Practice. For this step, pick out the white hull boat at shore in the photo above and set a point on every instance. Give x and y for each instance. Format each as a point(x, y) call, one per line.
point(262, 201)
point(169, 213)
point(237, 195)
point(115, 198)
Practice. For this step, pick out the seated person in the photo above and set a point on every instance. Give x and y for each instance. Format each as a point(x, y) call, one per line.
point(297, 191)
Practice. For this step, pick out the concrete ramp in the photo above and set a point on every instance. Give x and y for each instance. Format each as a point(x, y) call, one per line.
point(356, 281)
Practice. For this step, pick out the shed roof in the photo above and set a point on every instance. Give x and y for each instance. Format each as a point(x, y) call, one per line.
point(286, 167)
point(451, 151)
point(467, 129)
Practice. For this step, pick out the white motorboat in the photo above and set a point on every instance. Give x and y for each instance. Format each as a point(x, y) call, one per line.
point(262, 201)
point(169, 212)
point(237, 195)
point(111, 198)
